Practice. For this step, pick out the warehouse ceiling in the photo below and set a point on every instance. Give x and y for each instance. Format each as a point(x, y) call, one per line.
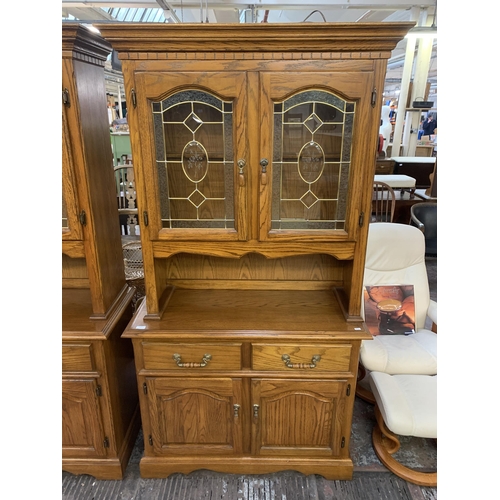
point(423, 13)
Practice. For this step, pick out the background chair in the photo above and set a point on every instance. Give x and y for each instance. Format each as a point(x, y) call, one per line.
point(126, 196)
point(395, 254)
point(383, 202)
point(424, 216)
point(134, 269)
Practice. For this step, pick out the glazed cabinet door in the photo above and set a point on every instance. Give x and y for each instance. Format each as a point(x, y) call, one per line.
point(315, 144)
point(82, 430)
point(298, 417)
point(195, 415)
point(71, 228)
point(191, 140)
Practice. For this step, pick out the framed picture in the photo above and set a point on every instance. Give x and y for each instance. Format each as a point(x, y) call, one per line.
point(390, 309)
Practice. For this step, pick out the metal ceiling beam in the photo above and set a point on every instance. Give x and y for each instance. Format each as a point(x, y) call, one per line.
point(87, 13)
point(168, 11)
point(261, 4)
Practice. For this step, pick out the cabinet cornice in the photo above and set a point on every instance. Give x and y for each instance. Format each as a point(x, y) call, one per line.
point(290, 37)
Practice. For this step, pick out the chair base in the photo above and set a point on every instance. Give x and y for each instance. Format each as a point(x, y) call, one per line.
point(386, 444)
point(365, 394)
point(362, 391)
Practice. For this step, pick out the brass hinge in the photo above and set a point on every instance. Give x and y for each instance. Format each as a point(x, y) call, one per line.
point(150, 439)
point(348, 392)
point(144, 388)
point(106, 442)
point(145, 217)
point(342, 443)
point(65, 98)
point(374, 97)
point(134, 98)
point(98, 391)
point(361, 219)
point(83, 218)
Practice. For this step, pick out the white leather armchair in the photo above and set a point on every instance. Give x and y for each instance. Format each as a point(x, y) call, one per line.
point(399, 372)
point(396, 255)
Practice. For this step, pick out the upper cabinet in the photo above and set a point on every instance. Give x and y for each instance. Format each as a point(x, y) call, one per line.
point(254, 139)
point(91, 244)
point(204, 185)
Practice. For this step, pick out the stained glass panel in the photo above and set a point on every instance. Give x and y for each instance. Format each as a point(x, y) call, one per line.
point(311, 161)
point(194, 158)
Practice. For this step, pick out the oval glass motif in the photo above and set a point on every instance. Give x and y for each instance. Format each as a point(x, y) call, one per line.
point(311, 162)
point(194, 161)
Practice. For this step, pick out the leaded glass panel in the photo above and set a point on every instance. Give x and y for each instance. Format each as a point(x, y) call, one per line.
point(193, 133)
point(311, 161)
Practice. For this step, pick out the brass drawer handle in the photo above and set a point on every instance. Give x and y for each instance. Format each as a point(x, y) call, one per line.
point(204, 362)
point(300, 366)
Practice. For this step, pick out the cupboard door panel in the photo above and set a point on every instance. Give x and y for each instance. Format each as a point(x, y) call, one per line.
point(299, 417)
point(195, 415)
point(192, 135)
point(307, 189)
point(82, 434)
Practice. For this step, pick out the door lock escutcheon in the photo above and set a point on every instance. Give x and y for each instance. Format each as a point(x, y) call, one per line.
point(264, 162)
point(241, 176)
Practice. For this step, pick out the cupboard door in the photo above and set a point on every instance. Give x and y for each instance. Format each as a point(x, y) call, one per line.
point(192, 143)
point(71, 229)
point(298, 417)
point(315, 138)
point(195, 415)
point(82, 432)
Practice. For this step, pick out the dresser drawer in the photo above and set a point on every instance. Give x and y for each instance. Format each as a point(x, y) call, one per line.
point(194, 357)
point(284, 357)
point(77, 358)
point(384, 166)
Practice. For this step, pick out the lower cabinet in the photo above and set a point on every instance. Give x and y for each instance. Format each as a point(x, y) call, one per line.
point(206, 416)
point(240, 389)
point(100, 407)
